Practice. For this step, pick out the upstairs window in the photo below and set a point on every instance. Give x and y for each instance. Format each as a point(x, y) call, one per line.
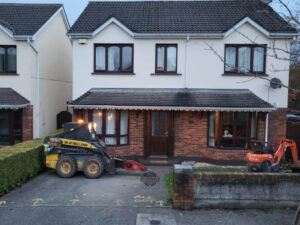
point(113, 58)
point(166, 58)
point(8, 59)
point(245, 59)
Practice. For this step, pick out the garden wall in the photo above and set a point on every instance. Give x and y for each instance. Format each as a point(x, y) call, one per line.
point(234, 190)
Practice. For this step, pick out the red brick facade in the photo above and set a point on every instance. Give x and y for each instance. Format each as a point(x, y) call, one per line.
point(190, 135)
point(27, 123)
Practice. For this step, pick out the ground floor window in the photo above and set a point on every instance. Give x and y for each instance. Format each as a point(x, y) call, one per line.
point(112, 126)
point(10, 127)
point(231, 129)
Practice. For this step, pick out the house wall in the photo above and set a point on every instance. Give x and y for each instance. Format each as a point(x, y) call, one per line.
point(55, 51)
point(55, 72)
point(204, 68)
point(26, 67)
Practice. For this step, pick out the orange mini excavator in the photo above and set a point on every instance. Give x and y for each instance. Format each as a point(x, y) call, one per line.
point(264, 159)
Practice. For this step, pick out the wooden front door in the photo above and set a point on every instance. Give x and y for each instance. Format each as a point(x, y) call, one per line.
point(159, 133)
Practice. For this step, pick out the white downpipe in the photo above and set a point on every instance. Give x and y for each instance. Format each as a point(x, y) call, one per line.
point(186, 85)
point(38, 85)
point(267, 129)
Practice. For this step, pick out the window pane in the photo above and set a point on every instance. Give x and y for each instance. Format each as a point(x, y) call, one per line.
point(227, 128)
point(241, 124)
point(97, 118)
point(171, 58)
point(258, 59)
point(113, 59)
point(244, 59)
point(4, 119)
point(110, 140)
point(163, 121)
point(17, 126)
point(124, 122)
point(2, 53)
point(160, 59)
point(127, 58)
point(211, 131)
point(230, 59)
point(100, 58)
point(124, 140)
point(241, 143)
point(253, 125)
point(154, 122)
point(110, 122)
point(11, 59)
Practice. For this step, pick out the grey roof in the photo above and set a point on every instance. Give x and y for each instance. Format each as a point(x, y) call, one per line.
point(26, 19)
point(172, 99)
point(10, 99)
point(180, 16)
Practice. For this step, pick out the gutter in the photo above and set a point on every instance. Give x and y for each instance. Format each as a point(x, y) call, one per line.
point(38, 84)
point(180, 35)
point(171, 108)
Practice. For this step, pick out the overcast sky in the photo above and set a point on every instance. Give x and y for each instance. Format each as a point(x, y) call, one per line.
point(75, 7)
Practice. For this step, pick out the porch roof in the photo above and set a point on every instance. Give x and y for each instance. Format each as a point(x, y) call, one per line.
point(172, 99)
point(10, 99)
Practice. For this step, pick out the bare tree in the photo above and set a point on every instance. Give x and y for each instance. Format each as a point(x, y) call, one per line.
point(287, 53)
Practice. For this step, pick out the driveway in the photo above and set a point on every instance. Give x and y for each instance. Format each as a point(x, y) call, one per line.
point(119, 199)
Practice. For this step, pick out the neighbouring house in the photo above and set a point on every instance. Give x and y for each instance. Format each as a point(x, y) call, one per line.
point(35, 69)
point(173, 78)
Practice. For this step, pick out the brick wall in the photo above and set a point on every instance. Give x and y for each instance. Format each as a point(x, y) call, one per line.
point(27, 123)
point(183, 190)
point(136, 136)
point(190, 131)
point(277, 126)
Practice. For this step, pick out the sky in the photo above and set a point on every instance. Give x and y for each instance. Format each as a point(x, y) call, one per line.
point(75, 7)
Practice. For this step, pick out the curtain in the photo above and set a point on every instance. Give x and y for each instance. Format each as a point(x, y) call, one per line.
point(258, 60)
point(230, 59)
point(2, 53)
point(100, 58)
point(11, 59)
point(171, 59)
point(123, 122)
point(244, 59)
point(113, 58)
point(160, 59)
point(211, 131)
point(111, 122)
point(97, 118)
point(127, 58)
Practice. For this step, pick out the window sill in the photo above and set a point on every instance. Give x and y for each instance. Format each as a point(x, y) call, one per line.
point(9, 74)
point(165, 74)
point(244, 75)
point(240, 150)
point(113, 73)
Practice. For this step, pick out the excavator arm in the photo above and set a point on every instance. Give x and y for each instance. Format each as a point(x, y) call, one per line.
point(284, 144)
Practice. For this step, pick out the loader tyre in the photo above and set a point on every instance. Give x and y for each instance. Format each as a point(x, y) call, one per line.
point(66, 167)
point(93, 167)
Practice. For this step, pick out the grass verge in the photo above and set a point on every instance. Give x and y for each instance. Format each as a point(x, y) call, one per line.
point(169, 183)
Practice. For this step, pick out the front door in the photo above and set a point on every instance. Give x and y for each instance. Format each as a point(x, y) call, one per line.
point(159, 133)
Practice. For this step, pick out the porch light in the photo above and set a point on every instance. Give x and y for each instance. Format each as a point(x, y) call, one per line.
point(80, 121)
point(95, 126)
point(100, 114)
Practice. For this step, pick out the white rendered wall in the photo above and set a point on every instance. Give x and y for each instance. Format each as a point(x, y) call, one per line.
point(205, 69)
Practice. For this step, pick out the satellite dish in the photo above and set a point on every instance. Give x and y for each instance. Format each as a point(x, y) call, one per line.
point(275, 83)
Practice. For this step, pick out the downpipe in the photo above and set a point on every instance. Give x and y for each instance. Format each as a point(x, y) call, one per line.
point(38, 84)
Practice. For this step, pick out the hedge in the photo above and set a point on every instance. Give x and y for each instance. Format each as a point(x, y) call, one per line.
point(20, 162)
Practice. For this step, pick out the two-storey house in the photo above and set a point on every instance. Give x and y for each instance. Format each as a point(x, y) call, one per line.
point(181, 78)
point(35, 69)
